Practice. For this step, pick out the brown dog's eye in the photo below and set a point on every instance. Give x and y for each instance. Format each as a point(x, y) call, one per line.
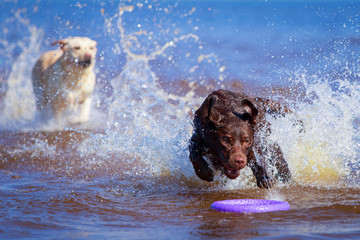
point(226, 140)
point(246, 141)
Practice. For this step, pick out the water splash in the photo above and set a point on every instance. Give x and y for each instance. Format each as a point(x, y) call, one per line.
point(326, 152)
point(152, 125)
point(17, 106)
point(145, 122)
point(147, 128)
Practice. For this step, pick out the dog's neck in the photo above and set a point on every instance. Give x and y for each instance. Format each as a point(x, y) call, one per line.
point(73, 75)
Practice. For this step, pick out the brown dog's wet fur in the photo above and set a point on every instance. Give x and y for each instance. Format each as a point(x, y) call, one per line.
point(225, 125)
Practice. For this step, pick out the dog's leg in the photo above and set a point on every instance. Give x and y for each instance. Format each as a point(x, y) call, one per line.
point(273, 153)
point(39, 97)
point(38, 83)
point(276, 156)
point(277, 159)
point(72, 108)
point(201, 167)
point(59, 102)
point(85, 110)
point(259, 171)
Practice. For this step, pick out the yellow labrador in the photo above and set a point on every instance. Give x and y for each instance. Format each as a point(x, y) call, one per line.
point(64, 80)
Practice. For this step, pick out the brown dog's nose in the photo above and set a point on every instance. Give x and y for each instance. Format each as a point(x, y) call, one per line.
point(239, 162)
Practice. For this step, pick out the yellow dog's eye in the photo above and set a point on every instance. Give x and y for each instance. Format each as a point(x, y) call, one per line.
point(77, 47)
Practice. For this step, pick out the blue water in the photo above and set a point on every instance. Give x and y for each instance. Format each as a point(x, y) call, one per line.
point(256, 41)
point(126, 173)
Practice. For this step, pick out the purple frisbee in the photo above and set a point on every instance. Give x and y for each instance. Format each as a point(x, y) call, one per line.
point(250, 205)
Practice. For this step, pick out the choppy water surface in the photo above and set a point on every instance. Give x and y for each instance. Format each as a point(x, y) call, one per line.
point(126, 173)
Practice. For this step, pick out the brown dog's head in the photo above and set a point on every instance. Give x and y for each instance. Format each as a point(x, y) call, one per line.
point(232, 134)
point(78, 51)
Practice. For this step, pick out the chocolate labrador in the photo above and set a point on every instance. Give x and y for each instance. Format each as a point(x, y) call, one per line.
point(224, 129)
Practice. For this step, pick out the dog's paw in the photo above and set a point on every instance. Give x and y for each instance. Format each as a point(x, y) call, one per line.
point(265, 182)
point(205, 174)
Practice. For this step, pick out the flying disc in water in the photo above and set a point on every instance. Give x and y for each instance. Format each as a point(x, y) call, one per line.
point(250, 205)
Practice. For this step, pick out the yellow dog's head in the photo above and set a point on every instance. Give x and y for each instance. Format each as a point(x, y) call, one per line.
point(78, 51)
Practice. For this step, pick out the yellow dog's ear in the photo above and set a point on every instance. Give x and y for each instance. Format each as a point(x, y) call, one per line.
point(61, 42)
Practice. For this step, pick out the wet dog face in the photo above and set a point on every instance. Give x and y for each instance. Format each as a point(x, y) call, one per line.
point(231, 141)
point(78, 51)
point(230, 135)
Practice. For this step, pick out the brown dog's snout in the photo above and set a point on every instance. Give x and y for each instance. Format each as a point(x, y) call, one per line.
point(238, 161)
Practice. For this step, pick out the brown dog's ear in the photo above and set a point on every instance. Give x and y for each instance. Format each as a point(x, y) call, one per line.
point(251, 111)
point(213, 114)
point(61, 42)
